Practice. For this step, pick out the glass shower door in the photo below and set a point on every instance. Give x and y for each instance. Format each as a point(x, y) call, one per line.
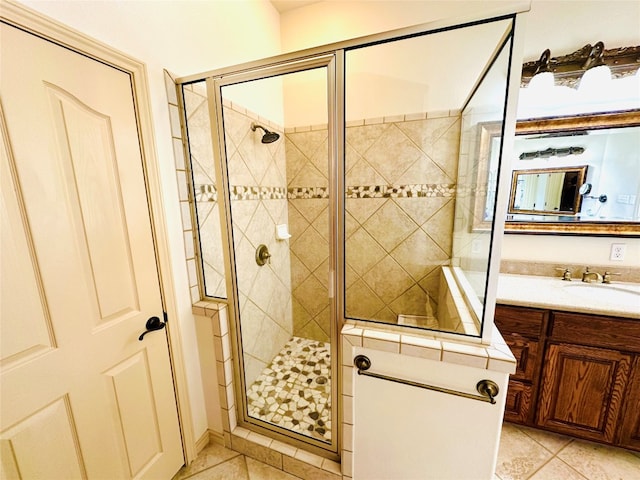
point(277, 165)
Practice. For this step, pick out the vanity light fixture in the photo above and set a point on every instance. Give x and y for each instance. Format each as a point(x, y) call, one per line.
point(597, 74)
point(551, 152)
point(569, 69)
point(543, 76)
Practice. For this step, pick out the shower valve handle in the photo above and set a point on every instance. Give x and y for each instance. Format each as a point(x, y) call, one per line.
point(262, 255)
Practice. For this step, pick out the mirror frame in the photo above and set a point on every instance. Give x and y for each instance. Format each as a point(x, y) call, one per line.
point(577, 201)
point(591, 121)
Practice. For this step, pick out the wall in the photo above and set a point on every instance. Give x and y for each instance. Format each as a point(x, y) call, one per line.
point(171, 35)
point(399, 214)
point(307, 185)
point(562, 26)
point(202, 172)
point(257, 178)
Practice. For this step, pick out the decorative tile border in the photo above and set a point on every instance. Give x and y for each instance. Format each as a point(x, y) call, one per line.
point(241, 192)
point(208, 192)
point(295, 193)
point(402, 191)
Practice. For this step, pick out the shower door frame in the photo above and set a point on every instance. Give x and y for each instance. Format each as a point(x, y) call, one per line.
point(333, 62)
point(294, 61)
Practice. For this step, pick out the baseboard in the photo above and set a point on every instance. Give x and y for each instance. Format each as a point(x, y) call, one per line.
point(216, 437)
point(202, 442)
point(208, 437)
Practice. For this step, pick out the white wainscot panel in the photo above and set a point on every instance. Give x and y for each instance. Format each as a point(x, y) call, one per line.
point(403, 431)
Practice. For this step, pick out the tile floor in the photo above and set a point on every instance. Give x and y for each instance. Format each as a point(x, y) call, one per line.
point(294, 390)
point(531, 454)
point(525, 454)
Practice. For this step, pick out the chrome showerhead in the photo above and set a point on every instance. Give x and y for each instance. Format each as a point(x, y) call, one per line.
point(269, 136)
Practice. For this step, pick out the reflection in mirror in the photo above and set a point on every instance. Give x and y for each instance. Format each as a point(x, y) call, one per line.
point(608, 145)
point(554, 191)
point(404, 190)
point(472, 246)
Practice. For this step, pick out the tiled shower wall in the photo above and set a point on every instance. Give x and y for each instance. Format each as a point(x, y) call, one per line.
point(400, 179)
point(257, 176)
point(401, 175)
point(307, 170)
point(204, 179)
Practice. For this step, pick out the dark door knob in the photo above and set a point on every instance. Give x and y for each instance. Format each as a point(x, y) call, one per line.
point(153, 324)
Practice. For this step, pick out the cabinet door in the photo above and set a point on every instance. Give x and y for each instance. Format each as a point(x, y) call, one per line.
point(630, 418)
point(526, 353)
point(518, 404)
point(582, 391)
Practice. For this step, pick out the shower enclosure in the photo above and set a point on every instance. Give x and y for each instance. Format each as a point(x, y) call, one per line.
point(339, 184)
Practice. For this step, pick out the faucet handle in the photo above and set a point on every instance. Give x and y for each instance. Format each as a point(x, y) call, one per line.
point(606, 278)
point(566, 274)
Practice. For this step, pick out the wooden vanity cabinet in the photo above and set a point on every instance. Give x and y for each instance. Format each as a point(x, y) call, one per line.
point(585, 378)
point(522, 329)
point(630, 416)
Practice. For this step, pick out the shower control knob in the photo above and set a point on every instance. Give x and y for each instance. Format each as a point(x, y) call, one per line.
point(262, 255)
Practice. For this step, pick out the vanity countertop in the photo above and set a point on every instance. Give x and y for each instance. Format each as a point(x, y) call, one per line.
point(616, 299)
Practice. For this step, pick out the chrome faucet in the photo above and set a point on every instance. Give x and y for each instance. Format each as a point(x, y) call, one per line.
point(589, 277)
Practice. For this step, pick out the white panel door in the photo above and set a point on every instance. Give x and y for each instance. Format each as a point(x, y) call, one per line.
point(81, 396)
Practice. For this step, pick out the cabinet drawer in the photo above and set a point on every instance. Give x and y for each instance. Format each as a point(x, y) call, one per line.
point(525, 321)
point(518, 403)
point(526, 353)
point(617, 333)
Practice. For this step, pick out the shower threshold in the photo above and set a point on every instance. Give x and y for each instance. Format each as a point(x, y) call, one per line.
point(294, 391)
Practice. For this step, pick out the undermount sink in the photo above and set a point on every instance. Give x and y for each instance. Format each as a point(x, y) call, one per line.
point(628, 295)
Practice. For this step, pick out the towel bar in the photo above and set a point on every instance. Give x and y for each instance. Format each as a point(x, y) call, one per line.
point(488, 389)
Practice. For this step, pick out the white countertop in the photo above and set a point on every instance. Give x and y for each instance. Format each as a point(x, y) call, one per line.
point(617, 299)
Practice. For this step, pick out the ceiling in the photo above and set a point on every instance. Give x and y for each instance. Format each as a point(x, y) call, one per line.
point(286, 5)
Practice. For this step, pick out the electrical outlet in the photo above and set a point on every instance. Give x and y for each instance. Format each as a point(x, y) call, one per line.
point(617, 251)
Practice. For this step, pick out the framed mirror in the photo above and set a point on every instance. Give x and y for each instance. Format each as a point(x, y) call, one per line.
point(548, 191)
point(606, 145)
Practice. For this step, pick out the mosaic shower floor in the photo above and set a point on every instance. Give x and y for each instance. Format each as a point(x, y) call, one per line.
point(294, 391)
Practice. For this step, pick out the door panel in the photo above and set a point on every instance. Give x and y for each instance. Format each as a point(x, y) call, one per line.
point(131, 382)
point(86, 143)
point(51, 433)
point(26, 328)
point(82, 277)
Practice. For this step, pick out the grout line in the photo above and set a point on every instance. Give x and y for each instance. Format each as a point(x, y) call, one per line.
point(210, 467)
point(572, 468)
point(571, 440)
point(528, 429)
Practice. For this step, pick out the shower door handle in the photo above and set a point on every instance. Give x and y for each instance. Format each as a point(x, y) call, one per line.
point(153, 324)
